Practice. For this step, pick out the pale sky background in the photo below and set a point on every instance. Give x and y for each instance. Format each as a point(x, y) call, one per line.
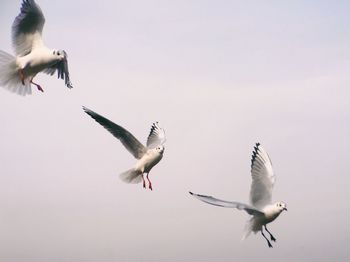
point(219, 76)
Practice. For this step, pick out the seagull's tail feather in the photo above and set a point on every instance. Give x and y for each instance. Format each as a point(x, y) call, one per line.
point(9, 76)
point(248, 228)
point(131, 176)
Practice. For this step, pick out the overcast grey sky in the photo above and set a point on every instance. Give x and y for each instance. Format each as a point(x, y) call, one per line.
point(219, 76)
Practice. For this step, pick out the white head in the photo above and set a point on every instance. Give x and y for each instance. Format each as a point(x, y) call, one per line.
point(59, 54)
point(160, 149)
point(280, 206)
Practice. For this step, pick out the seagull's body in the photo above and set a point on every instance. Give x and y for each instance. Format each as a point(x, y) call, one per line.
point(261, 209)
point(148, 161)
point(32, 56)
point(147, 156)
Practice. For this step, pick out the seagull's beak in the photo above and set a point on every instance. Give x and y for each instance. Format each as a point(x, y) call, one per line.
point(285, 209)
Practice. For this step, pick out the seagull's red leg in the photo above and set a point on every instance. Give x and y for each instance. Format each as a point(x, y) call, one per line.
point(21, 76)
point(268, 242)
point(143, 181)
point(149, 183)
point(38, 86)
point(271, 236)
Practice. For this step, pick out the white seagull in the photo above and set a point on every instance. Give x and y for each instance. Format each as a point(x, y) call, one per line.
point(261, 209)
point(147, 157)
point(32, 56)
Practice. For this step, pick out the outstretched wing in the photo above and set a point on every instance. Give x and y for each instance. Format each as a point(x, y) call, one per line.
point(156, 137)
point(27, 28)
point(62, 70)
point(222, 203)
point(262, 176)
point(127, 139)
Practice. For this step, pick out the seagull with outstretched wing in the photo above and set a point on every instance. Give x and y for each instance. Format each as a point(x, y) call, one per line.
point(261, 209)
point(148, 156)
point(32, 56)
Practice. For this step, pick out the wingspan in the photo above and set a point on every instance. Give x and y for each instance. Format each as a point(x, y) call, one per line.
point(156, 136)
point(125, 137)
point(62, 70)
point(263, 178)
point(229, 204)
point(27, 28)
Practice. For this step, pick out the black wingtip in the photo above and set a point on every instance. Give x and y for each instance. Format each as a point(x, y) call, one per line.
point(255, 153)
point(155, 125)
point(87, 110)
point(256, 147)
point(190, 192)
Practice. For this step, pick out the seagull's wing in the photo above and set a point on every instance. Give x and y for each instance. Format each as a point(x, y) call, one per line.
point(263, 178)
point(62, 70)
point(27, 28)
point(222, 203)
point(156, 136)
point(127, 139)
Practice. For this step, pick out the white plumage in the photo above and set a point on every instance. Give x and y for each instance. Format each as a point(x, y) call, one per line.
point(261, 209)
point(147, 157)
point(32, 56)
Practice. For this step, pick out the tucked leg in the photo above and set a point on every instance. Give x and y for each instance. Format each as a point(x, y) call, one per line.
point(143, 181)
point(268, 242)
point(271, 236)
point(38, 86)
point(149, 183)
point(21, 76)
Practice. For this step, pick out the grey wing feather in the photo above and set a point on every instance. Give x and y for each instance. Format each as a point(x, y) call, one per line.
point(125, 137)
point(156, 136)
point(62, 70)
point(229, 204)
point(263, 177)
point(27, 27)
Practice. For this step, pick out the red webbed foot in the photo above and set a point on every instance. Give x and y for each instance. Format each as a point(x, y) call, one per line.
point(37, 85)
point(39, 88)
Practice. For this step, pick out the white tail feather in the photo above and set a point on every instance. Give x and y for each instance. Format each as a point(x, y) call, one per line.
point(9, 77)
point(248, 228)
point(131, 176)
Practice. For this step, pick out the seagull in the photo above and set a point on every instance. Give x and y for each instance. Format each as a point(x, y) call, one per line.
point(147, 156)
point(260, 208)
point(32, 56)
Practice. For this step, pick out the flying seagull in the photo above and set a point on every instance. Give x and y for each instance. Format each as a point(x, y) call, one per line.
point(260, 208)
point(147, 156)
point(32, 56)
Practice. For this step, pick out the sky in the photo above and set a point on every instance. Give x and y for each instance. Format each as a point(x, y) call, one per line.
point(219, 76)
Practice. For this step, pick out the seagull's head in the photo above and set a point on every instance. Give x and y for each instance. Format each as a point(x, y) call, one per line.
point(281, 206)
point(59, 54)
point(160, 149)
